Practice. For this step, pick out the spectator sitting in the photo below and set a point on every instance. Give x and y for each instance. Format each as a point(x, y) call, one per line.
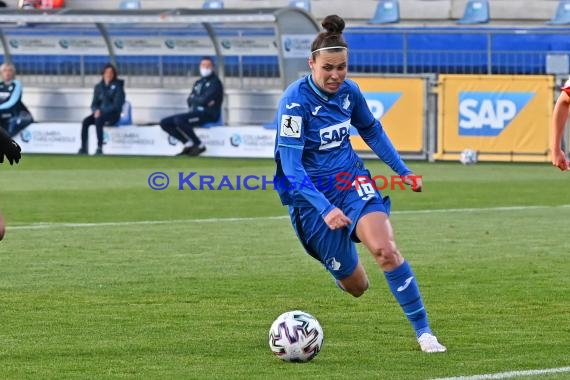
point(107, 104)
point(205, 106)
point(14, 116)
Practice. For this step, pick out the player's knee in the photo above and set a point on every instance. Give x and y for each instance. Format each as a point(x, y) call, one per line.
point(357, 290)
point(386, 254)
point(384, 250)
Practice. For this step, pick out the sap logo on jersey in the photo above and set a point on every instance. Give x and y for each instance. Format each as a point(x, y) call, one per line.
point(334, 135)
point(380, 102)
point(489, 113)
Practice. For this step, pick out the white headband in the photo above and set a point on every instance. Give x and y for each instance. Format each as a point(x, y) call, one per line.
point(328, 48)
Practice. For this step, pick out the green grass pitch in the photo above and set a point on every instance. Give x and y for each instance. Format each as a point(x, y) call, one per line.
point(103, 278)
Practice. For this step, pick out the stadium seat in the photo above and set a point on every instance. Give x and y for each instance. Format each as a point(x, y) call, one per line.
point(130, 4)
point(126, 115)
point(562, 15)
point(213, 4)
point(217, 123)
point(303, 4)
point(387, 12)
point(476, 12)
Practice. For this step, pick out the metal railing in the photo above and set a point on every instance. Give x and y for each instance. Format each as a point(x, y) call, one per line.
point(485, 55)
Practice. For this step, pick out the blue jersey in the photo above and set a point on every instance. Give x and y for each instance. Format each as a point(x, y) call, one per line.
point(313, 141)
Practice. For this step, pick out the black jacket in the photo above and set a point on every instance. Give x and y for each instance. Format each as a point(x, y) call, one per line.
point(207, 96)
point(108, 98)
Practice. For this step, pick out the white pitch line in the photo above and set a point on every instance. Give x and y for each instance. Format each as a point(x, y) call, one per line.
point(474, 209)
point(39, 226)
point(509, 375)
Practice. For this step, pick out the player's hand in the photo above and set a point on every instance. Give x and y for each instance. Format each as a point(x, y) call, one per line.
point(336, 219)
point(414, 181)
point(97, 114)
point(559, 160)
point(9, 148)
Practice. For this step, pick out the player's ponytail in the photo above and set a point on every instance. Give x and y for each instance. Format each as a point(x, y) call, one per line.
point(331, 40)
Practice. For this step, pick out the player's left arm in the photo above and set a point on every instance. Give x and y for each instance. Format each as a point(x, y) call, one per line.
point(376, 138)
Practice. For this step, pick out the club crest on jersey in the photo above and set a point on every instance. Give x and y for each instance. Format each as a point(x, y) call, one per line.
point(291, 126)
point(346, 102)
point(334, 135)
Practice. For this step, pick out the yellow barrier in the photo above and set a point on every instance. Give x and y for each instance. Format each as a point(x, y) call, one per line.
point(399, 103)
point(502, 117)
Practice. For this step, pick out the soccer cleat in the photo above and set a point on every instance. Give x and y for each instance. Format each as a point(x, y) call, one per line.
point(196, 151)
point(185, 151)
point(428, 343)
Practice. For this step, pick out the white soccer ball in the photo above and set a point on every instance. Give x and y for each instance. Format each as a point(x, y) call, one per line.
point(296, 336)
point(468, 157)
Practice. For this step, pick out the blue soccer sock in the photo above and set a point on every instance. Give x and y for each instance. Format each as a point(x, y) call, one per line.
point(405, 289)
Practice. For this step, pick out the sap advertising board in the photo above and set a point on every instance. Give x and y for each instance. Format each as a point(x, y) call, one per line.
point(489, 113)
point(502, 117)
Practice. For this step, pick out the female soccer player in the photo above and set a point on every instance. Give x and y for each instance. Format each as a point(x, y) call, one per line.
point(559, 117)
point(313, 147)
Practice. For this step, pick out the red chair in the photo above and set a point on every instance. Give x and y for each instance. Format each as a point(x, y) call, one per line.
point(52, 4)
point(41, 4)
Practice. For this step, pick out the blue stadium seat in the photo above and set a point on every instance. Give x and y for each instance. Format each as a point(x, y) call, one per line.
point(213, 4)
point(217, 123)
point(562, 15)
point(126, 115)
point(387, 12)
point(303, 4)
point(476, 12)
point(130, 4)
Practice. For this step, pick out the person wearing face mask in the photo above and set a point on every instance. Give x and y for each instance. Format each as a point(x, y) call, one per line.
point(14, 116)
point(205, 106)
point(106, 107)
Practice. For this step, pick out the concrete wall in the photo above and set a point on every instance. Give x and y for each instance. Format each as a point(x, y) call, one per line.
point(148, 105)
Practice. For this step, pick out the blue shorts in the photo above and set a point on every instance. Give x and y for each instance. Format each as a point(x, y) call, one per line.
point(336, 249)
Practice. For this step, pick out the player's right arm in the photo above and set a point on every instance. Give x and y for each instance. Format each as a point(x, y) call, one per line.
point(291, 143)
point(559, 117)
point(9, 148)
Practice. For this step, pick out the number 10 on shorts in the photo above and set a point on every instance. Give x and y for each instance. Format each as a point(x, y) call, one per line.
point(364, 188)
